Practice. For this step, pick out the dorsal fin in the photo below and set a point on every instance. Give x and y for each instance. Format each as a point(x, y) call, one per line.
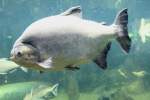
point(74, 11)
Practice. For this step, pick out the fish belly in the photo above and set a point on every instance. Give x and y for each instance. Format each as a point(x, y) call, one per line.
point(76, 49)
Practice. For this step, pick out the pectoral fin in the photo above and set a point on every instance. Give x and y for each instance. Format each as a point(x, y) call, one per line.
point(24, 69)
point(101, 59)
point(46, 63)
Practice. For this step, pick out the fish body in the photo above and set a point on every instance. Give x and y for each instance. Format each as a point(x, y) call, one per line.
point(66, 41)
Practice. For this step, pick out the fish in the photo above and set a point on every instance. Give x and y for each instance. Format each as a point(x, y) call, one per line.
point(66, 40)
point(17, 91)
point(144, 30)
point(42, 93)
point(139, 73)
point(7, 66)
point(122, 73)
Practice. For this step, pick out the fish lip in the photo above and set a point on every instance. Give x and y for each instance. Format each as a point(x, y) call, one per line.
point(12, 58)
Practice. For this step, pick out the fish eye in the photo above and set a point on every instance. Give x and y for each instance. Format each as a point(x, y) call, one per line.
point(29, 55)
point(19, 54)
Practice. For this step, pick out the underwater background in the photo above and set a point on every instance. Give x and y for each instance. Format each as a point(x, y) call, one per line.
point(127, 76)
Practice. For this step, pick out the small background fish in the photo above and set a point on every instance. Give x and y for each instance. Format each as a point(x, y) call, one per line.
point(17, 91)
point(7, 66)
point(144, 30)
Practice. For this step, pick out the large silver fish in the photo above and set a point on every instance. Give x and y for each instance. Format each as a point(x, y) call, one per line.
point(67, 40)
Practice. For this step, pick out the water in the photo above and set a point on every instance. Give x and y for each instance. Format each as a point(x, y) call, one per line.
point(127, 77)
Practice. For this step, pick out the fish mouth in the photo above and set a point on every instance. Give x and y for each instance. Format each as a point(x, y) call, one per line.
point(12, 58)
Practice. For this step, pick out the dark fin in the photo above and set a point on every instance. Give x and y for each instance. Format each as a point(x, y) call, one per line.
point(125, 43)
point(101, 60)
point(72, 67)
point(122, 22)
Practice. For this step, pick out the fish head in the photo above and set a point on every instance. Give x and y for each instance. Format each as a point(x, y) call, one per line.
point(29, 56)
point(24, 54)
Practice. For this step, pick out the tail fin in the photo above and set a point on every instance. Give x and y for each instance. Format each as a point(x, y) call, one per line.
point(121, 21)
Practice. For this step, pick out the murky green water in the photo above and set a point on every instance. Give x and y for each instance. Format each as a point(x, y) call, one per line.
point(127, 76)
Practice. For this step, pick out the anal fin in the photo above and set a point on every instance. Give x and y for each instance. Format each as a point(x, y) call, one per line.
point(100, 60)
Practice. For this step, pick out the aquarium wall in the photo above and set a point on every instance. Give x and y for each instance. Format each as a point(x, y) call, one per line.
point(127, 76)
